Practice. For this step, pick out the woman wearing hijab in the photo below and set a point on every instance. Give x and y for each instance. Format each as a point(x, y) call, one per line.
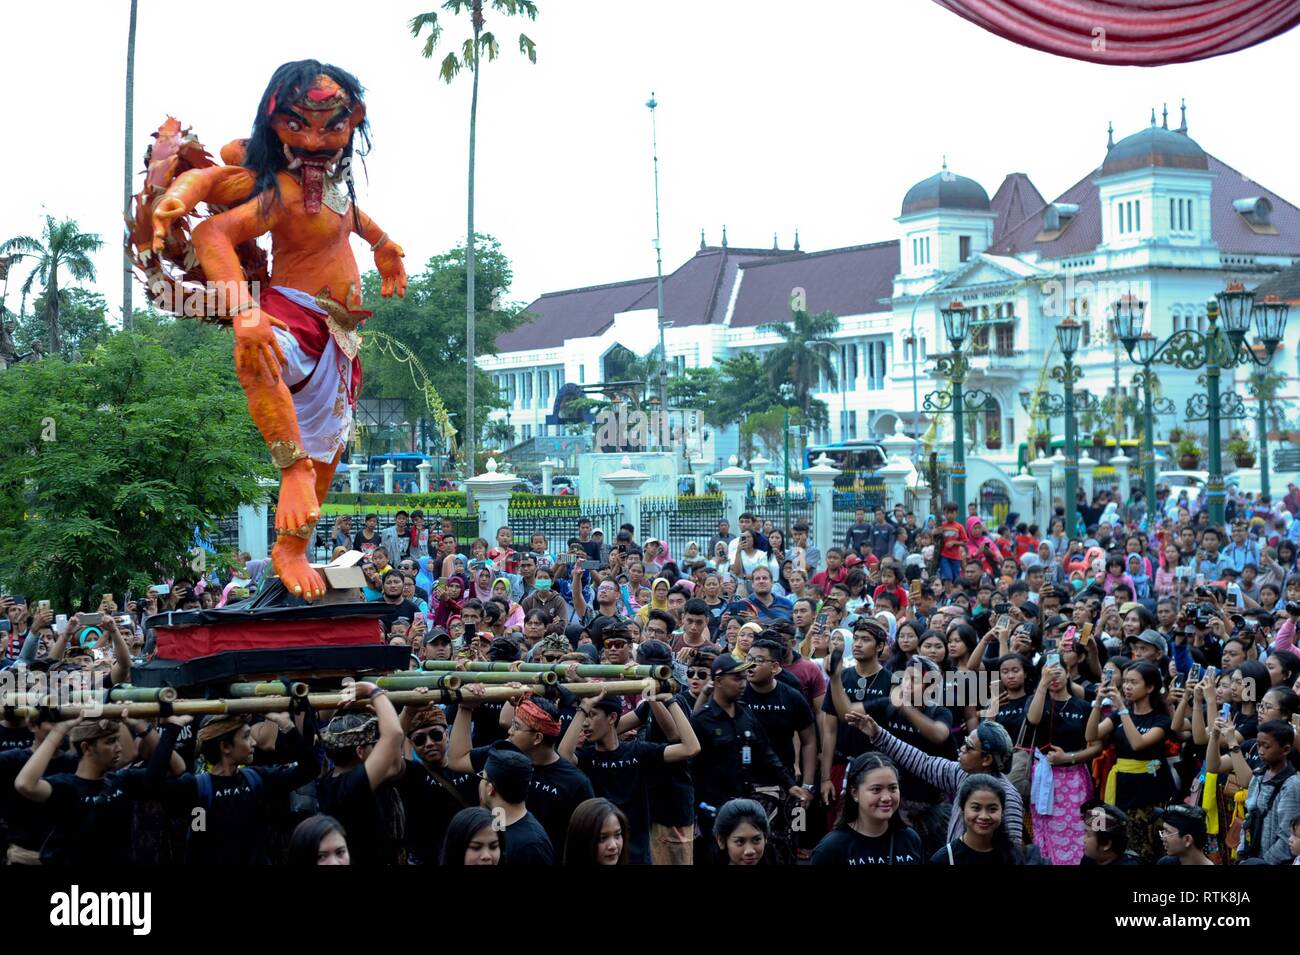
point(514, 619)
point(983, 547)
point(446, 601)
point(890, 622)
point(658, 599)
point(482, 577)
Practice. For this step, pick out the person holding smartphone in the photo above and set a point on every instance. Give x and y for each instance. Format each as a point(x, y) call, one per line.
point(1056, 721)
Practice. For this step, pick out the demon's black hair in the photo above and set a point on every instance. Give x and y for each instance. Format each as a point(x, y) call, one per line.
point(264, 154)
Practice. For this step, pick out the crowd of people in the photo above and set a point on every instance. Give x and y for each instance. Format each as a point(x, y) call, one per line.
point(953, 690)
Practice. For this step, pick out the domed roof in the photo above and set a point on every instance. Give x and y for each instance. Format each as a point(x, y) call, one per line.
point(1154, 146)
point(945, 190)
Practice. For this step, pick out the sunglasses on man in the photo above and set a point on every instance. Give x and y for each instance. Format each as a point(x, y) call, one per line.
point(421, 737)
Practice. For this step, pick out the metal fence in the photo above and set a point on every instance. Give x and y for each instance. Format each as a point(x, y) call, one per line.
point(772, 507)
point(560, 525)
point(681, 520)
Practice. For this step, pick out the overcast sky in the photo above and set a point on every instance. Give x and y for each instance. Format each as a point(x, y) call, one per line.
point(772, 115)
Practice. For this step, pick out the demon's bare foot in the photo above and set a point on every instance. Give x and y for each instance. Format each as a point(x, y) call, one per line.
point(298, 506)
point(289, 559)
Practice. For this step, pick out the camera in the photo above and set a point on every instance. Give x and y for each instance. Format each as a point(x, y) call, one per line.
point(1293, 607)
point(1001, 608)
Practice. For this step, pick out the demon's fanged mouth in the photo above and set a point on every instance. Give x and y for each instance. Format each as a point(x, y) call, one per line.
point(312, 165)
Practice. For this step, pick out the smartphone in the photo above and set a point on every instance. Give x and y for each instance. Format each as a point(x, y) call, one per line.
point(1049, 646)
point(42, 605)
point(91, 619)
point(1004, 621)
point(107, 598)
point(1180, 572)
point(1109, 601)
point(1071, 634)
point(1195, 673)
point(1052, 660)
point(61, 623)
point(591, 565)
point(4, 625)
point(1085, 634)
point(821, 619)
point(1180, 681)
point(161, 590)
point(1225, 711)
point(1211, 674)
point(1200, 580)
point(1295, 721)
point(915, 587)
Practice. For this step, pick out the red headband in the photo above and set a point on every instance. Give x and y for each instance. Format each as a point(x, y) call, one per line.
point(536, 718)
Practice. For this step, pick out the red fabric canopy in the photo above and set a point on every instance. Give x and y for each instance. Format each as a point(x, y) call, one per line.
point(1132, 32)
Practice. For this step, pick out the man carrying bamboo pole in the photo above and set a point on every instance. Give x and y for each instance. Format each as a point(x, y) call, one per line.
point(366, 753)
point(557, 786)
point(91, 809)
point(229, 809)
point(503, 788)
point(432, 792)
point(623, 772)
point(27, 824)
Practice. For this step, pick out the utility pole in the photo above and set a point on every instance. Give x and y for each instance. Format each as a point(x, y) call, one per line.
point(651, 103)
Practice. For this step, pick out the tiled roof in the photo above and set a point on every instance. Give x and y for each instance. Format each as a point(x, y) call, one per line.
point(696, 293)
point(1227, 227)
point(575, 313)
point(1285, 285)
point(1015, 199)
point(849, 281)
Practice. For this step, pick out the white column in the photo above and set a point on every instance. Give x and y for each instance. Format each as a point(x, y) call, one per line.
point(388, 469)
point(424, 467)
point(1122, 463)
point(1041, 468)
point(821, 476)
point(895, 475)
point(354, 477)
point(253, 522)
point(626, 483)
point(898, 445)
point(699, 470)
point(1024, 484)
point(733, 481)
point(1086, 465)
point(492, 492)
point(759, 465)
point(548, 472)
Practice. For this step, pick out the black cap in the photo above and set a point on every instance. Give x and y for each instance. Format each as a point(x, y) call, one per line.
point(437, 633)
point(654, 653)
point(726, 663)
point(503, 649)
point(510, 772)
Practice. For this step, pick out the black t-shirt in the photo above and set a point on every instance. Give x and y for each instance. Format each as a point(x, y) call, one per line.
point(556, 790)
point(485, 724)
point(1011, 715)
point(899, 846)
point(92, 818)
point(429, 807)
point(405, 608)
point(15, 737)
point(672, 799)
point(913, 788)
point(849, 741)
point(1140, 790)
point(622, 776)
point(364, 813)
point(527, 843)
point(26, 824)
point(783, 712)
point(1063, 724)
point(963, 854)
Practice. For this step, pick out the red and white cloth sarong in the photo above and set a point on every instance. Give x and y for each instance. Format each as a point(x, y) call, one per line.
point(323, 380)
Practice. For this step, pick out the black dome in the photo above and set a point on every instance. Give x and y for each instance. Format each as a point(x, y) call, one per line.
point(1154, 146)
point(945, 190)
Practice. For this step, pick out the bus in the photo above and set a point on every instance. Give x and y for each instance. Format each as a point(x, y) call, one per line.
point(858, 460)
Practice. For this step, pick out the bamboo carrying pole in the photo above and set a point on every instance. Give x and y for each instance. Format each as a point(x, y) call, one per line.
point(629, 672)
point(409, 679)
point(121, 694)
point(268, 689)
point(330, 701)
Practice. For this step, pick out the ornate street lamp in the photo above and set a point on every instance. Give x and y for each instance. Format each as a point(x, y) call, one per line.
point(1222, 346)
point(954, 367)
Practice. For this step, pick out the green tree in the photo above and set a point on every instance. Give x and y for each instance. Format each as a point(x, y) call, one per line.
point(501, 434)
point(797, 359)
point(429, 321)
point(112, 463)
point(768, 427)
point(1264, 385)
point(482, 42)
point(83, 323)
point(742, 389)
point(63, 246)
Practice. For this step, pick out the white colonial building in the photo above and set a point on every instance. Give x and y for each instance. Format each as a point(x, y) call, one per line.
point(1159, 218)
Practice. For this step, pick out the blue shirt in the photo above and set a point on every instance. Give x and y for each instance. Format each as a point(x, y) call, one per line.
point(780, 608)
point(1238, 556)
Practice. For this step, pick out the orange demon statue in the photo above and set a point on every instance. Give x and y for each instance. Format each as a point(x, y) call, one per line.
point(296, 339)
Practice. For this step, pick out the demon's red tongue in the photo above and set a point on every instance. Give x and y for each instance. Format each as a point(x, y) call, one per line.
point(313, 184)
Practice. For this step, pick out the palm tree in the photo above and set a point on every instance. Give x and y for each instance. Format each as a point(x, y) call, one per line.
point(63, 246)
point(468, 58)
point(501, 433)
point(127, 277)
point(797, 359)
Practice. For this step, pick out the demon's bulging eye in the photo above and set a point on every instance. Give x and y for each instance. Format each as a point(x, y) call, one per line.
point(292, 125)
point(340, 126)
